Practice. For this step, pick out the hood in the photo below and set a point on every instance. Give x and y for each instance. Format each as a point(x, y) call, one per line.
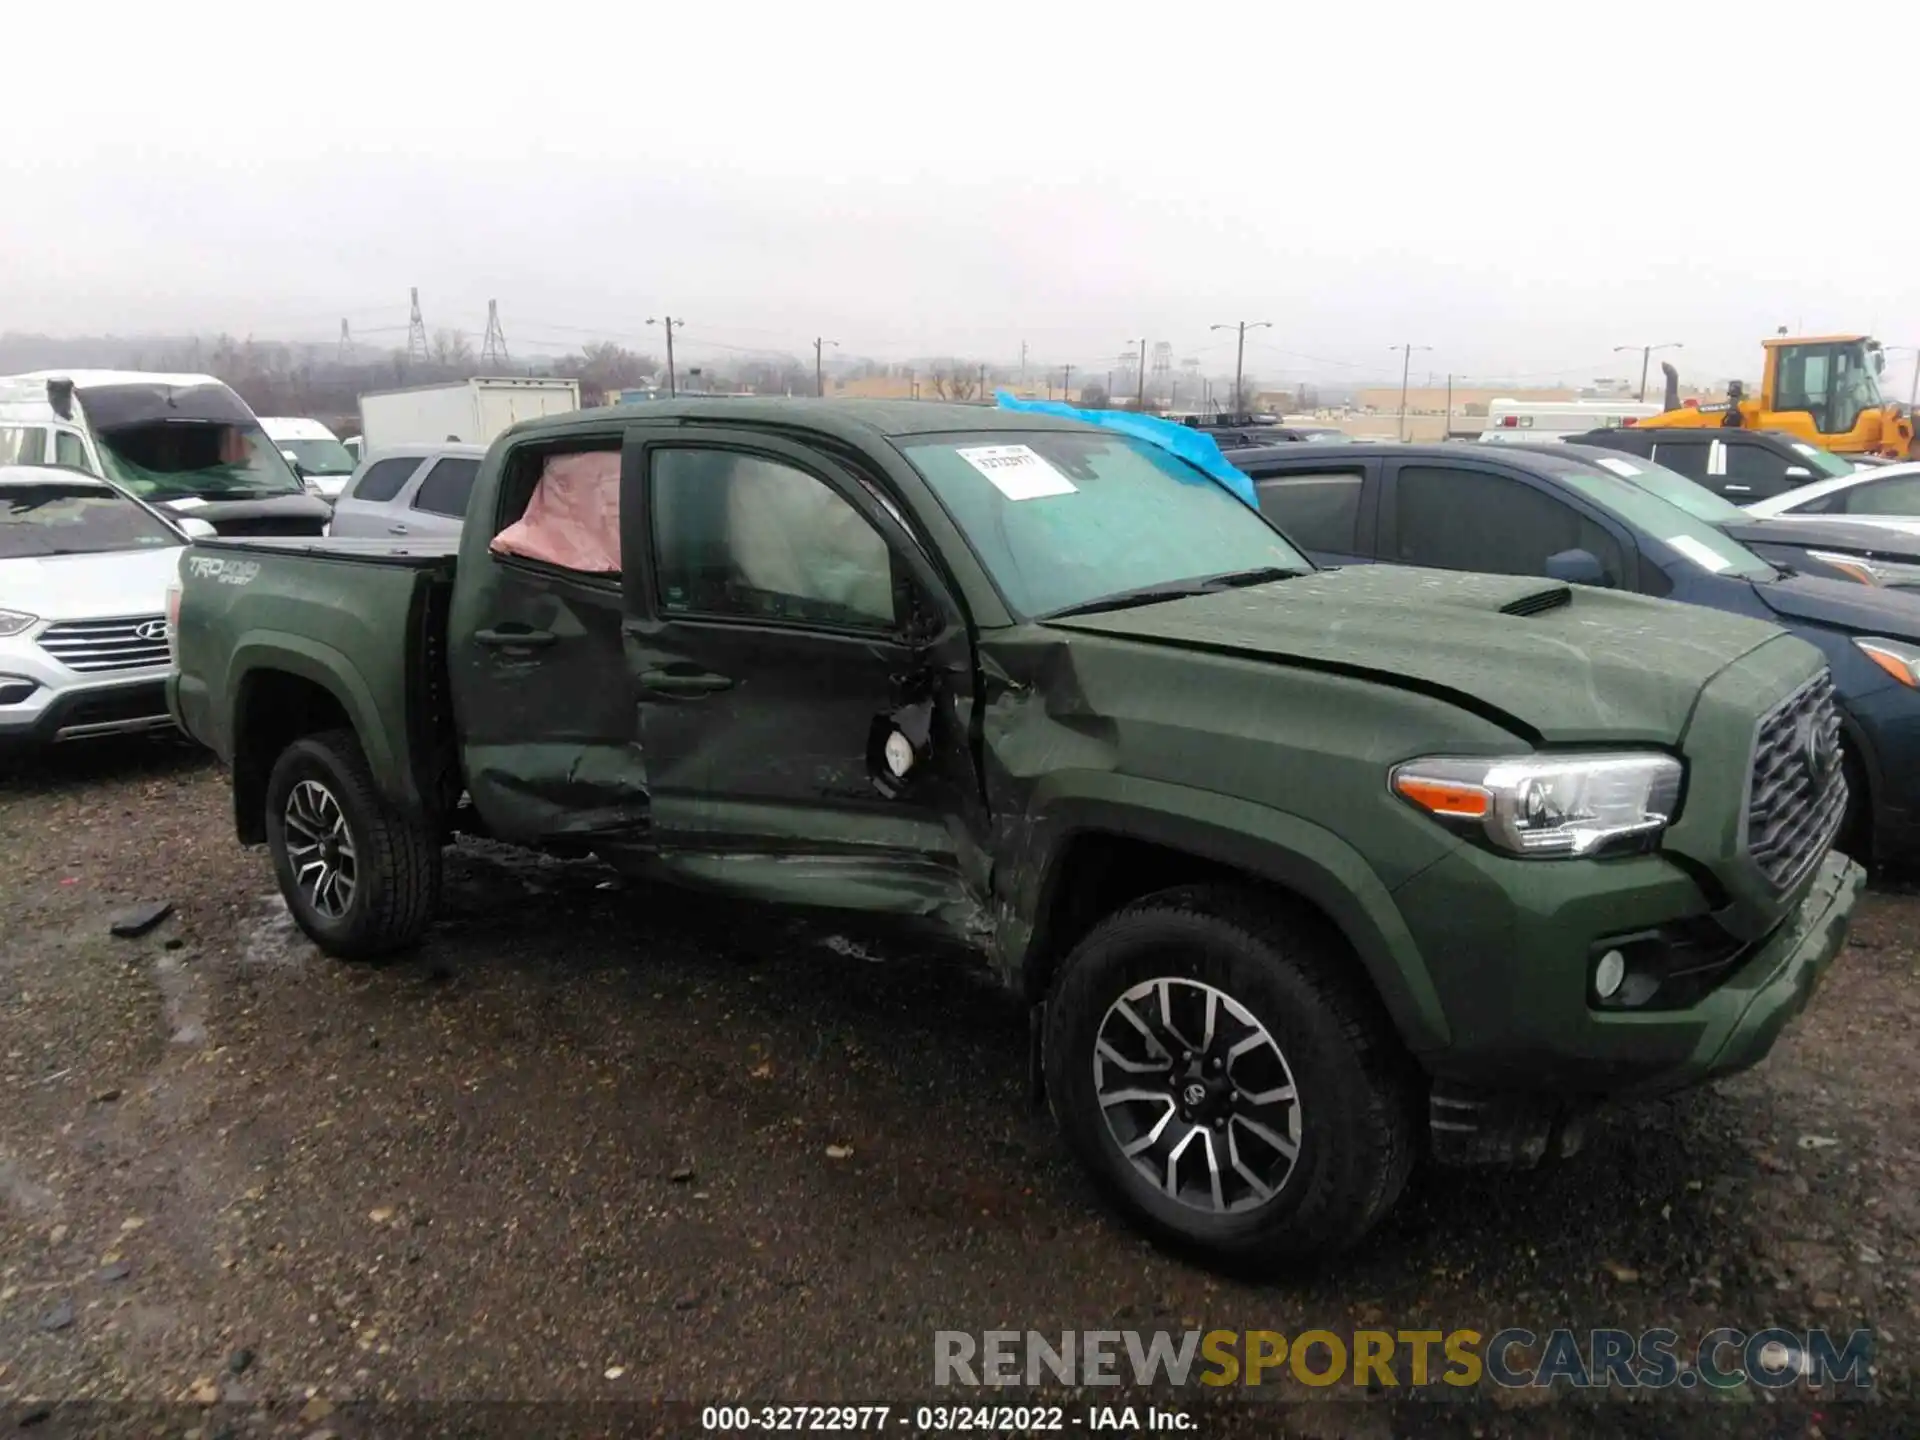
point(1848, 537)
point(91, 587)
point(1844, 605)
point(291, 514)
point(1573, 665)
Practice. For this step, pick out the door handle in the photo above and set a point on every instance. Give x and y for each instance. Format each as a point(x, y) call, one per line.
point(516, 639)
point(1738, 489)
point(396, 529)
point(683, 682)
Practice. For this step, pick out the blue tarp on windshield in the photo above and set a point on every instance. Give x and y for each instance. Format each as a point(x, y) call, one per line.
point(1196, 447)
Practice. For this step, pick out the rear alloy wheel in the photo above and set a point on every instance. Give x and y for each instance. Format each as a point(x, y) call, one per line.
point(361, 877)
point(320, 849)
point(1216, 1062)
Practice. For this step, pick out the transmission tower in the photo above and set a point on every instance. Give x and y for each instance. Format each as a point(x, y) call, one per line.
point(1162, 381)
point(493, 350)
point(416, 330)
point(345, 355)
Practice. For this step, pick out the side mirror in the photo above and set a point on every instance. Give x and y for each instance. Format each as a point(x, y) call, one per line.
point(1577, 567)
point(195, 528)
point(1799, 472)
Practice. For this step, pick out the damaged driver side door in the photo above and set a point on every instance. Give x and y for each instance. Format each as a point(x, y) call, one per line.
point(801, 671)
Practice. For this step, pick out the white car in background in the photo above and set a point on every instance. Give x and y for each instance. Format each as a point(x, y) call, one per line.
point(1885, 495)
point(84, 571)
point(322, 461)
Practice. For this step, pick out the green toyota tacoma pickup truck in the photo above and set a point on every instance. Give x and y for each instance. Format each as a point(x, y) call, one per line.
point(1304, 873)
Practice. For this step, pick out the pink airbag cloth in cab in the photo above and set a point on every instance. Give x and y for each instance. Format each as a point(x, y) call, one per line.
point(573, 520)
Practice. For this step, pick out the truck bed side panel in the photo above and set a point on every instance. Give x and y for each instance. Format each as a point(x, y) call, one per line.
point(331, 617)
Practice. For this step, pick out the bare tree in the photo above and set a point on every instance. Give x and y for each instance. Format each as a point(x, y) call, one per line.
point(956, 379)
point(451, 349)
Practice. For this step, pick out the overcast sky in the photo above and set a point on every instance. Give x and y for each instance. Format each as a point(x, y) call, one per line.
point(910, 179)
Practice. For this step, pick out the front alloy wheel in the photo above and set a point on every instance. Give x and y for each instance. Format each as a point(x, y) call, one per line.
point(1197, 1095)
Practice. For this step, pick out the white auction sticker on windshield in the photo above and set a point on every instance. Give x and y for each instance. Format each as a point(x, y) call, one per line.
point(1620, 467)
point(1701, 555)
point(186, 502)
point(1017, 471)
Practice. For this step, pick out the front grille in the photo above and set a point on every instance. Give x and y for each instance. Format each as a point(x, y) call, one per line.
point(1799, 792)
point(96, 645)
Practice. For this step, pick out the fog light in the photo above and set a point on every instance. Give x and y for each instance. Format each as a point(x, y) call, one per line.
point(1608, 974)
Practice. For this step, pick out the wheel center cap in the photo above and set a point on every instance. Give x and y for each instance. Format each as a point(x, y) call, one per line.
point(1195, 1094)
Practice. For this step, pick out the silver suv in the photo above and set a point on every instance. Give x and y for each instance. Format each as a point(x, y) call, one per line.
point(408, 490)
point(84, 571)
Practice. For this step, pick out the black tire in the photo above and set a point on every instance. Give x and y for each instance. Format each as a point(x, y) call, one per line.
point(1357, 1121)
point(397, 861)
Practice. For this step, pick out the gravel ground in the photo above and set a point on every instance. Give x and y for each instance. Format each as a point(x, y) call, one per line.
point(600, 1142)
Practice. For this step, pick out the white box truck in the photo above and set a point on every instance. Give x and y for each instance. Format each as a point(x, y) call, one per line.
point(472, 411)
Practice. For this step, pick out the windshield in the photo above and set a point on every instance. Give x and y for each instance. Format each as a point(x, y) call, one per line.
point(1063, 517)
point(1674, 488)
point(1682, 527)
point(60, 518)
point(174, 459)
point(319, 457)
point(1824, 462)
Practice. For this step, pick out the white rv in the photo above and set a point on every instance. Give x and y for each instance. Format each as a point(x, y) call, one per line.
point(1513, 421)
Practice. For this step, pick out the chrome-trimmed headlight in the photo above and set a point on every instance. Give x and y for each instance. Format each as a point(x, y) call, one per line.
point(1548, 806)
point(1898, 658)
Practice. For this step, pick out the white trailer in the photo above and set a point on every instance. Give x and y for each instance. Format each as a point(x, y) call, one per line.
point(1514, 421)
point(471, 411)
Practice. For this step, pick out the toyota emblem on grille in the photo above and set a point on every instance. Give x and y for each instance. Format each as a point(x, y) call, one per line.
point(151, 630)
point(1813, 749)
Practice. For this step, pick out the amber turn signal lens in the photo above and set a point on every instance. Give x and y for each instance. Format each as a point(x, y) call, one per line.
point(1438, 797)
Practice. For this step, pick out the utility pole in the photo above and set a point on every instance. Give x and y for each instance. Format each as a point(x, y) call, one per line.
point(493, 350)
point(1406, 365)
point(1646, 355)
point(983, 381)
point(1140, 396)
point(1449, 430)
point(670, 324)
point(819, 364)
point(1240, 354)
point(1066, 383)
point(913, 383)
point(1023, 364)
point(416, 330)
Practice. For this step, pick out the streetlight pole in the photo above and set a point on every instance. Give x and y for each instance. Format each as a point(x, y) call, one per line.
point(671, 325)
point(1406, 366)
point(819, 364)
point(1240, 354)
point(1646, 357)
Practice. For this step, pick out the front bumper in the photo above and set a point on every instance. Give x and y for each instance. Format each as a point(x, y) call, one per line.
point(85, 712)
point(1511, 948)
point(1735, 1028)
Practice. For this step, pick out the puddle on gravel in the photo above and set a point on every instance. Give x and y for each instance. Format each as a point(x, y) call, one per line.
point(181, 999)
point(273, 939)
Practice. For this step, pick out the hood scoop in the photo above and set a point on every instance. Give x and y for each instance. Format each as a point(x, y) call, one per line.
point(1540, 601)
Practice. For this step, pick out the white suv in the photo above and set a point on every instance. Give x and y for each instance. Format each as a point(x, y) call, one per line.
point(84, 571)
